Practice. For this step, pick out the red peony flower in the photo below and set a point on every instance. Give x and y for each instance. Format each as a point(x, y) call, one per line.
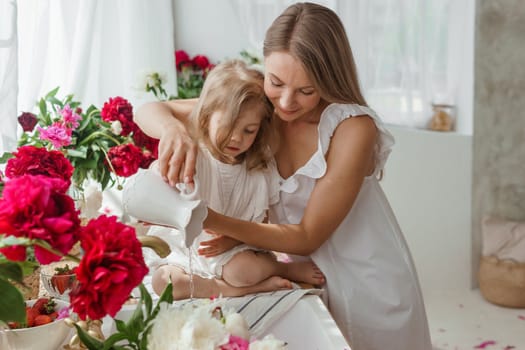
point(31, 160)
point(201, 61)
point(147, 159)
point(28, 121)
point(181, 58)
point(111, 267)
point(43, 211)
point(125, 159)
point(118, 108)
point(142, 140)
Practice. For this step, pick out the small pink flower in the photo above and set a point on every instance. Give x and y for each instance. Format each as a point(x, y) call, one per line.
point(57, 134)
point(485, 344)
point(71, 119)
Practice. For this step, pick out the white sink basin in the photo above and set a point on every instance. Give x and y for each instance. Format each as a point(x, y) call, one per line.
point(307, 325)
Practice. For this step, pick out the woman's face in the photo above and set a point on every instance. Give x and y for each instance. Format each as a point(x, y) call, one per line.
point(288, 87)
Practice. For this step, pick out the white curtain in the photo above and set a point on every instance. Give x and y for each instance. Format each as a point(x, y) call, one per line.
point(8, 75)
point(409, 53)
point(95, 49)
point(257, 15)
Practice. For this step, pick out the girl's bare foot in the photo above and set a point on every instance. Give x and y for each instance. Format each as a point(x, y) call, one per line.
point(304, 271)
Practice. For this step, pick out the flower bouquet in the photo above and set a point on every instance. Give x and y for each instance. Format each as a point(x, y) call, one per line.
point(101, 145)
point(191, 73)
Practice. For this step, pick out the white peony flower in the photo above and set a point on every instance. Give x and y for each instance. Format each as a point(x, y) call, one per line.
point(236, 325)
point(91, 201)
point(116, 127)
point(269, 342)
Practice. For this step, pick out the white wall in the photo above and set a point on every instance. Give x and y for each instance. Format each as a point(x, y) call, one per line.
point(209, 28)
point(428, 182)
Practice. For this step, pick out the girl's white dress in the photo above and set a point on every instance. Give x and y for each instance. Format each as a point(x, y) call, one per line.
point(228, 189)
point(372, 287)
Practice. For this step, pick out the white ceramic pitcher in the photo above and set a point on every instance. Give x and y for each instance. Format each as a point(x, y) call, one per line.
point(148, 198)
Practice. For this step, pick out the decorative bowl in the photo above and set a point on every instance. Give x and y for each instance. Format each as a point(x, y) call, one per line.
point(46, 337)
point(57, 285)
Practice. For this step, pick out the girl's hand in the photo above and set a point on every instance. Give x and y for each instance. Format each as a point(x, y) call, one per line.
point(217, 245)
point(177, 155)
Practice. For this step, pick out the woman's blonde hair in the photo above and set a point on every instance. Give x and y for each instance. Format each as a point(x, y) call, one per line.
point(315, 36)
point(231, 87)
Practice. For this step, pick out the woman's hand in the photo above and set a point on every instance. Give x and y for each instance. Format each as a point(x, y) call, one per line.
point(217, 245)
point(177, 155)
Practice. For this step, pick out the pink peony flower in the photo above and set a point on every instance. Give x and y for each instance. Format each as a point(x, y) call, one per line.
point(71, 119)
point(43, 212)
point(58, 134)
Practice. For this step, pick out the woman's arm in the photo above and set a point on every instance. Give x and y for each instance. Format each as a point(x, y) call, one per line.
point(168, 122)
point(350, 158)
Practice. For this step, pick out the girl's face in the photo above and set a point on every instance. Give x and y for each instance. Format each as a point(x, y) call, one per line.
point(288, 87)
point(244, 131)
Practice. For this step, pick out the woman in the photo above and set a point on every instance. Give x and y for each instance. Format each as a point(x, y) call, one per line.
point(332, 208)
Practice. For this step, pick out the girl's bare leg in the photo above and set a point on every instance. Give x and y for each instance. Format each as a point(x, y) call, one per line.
point(251, 267)
point(206, 288)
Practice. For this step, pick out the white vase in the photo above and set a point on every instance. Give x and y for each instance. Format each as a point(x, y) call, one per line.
point(149, 199)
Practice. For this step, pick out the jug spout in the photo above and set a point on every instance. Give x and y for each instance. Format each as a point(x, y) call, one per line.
point(149, 199)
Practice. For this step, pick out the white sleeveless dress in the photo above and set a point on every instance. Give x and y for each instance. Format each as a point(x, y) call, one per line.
point(228, 189)
point(372, 288)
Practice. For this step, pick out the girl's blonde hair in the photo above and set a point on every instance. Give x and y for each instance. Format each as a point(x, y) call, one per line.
point(231, 87)
point(315, 36)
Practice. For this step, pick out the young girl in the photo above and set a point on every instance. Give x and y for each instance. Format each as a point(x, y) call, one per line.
point(234, 125)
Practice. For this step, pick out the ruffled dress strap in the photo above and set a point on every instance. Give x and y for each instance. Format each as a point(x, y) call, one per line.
point(331, 117)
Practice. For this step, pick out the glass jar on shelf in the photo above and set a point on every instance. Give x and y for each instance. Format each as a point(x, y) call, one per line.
point(442, 117)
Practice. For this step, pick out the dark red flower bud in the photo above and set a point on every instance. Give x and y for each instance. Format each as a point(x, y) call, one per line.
point(28, 121)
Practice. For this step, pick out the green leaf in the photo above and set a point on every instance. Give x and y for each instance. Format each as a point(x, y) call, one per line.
point(121, 326)
point(5, 157)
point(112, 339)
point(90, 342)
point(12, 305)
point(52, 93)
point(146, 297)
point(56, 102)
point(80, 152)
point(6, 241)
point(11, 270)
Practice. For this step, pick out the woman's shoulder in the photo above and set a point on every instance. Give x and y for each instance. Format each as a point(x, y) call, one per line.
point(344, 121)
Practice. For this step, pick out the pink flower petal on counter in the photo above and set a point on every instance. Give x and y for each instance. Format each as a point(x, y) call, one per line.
point(521, 317)
point(485, 344)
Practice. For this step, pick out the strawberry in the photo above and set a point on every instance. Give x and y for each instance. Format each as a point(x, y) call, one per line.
point(31, 314)
point(13, 325)
point(63, 278)
point(42, 319)
point(39, 305)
